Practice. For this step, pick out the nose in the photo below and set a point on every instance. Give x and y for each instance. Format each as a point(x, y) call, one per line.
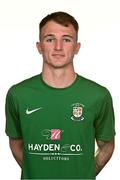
point(58, 45)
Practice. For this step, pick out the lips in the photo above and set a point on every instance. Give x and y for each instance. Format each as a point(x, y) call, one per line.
point(58, 55)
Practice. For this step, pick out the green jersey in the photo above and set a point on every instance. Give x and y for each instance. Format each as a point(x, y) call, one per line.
point(59, 126)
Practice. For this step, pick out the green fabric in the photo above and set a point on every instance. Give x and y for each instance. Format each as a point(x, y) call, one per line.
point(59, 126)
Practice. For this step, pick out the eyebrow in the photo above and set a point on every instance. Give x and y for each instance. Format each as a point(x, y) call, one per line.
point(48, 35)
point(66, 35)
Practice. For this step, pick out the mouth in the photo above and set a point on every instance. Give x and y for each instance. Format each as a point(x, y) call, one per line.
point(58, 55)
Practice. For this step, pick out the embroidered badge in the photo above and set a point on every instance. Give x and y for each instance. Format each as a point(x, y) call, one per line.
point(77, 112)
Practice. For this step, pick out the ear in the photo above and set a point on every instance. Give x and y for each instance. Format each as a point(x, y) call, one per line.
point(38, 45)
point(78, 45)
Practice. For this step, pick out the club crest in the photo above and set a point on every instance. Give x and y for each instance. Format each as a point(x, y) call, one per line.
point(77, 112)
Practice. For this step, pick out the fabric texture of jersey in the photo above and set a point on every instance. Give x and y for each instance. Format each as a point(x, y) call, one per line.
point(59, 126)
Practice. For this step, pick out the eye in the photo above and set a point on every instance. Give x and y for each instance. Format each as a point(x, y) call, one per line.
point(67, 40)
point(50, 40)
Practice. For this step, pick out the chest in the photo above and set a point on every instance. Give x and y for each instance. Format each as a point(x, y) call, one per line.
point(74, 114)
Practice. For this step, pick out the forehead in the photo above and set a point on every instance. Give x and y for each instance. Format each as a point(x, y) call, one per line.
point(54, 28)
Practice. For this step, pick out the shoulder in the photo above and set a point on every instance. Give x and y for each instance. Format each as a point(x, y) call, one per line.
point(92, 88)
point(23, 86)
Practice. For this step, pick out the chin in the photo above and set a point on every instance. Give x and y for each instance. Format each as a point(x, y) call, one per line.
point(58, 66)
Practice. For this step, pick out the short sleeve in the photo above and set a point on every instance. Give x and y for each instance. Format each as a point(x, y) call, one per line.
point(105, 122)
point(13, 126)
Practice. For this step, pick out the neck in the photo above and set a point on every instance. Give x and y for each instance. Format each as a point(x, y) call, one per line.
point(59, 78)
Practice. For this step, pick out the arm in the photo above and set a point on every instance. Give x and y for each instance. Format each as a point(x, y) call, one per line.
point(103, 154)
point(16, 146)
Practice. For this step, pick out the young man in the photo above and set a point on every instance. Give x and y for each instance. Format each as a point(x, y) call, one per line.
point(54, 118)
